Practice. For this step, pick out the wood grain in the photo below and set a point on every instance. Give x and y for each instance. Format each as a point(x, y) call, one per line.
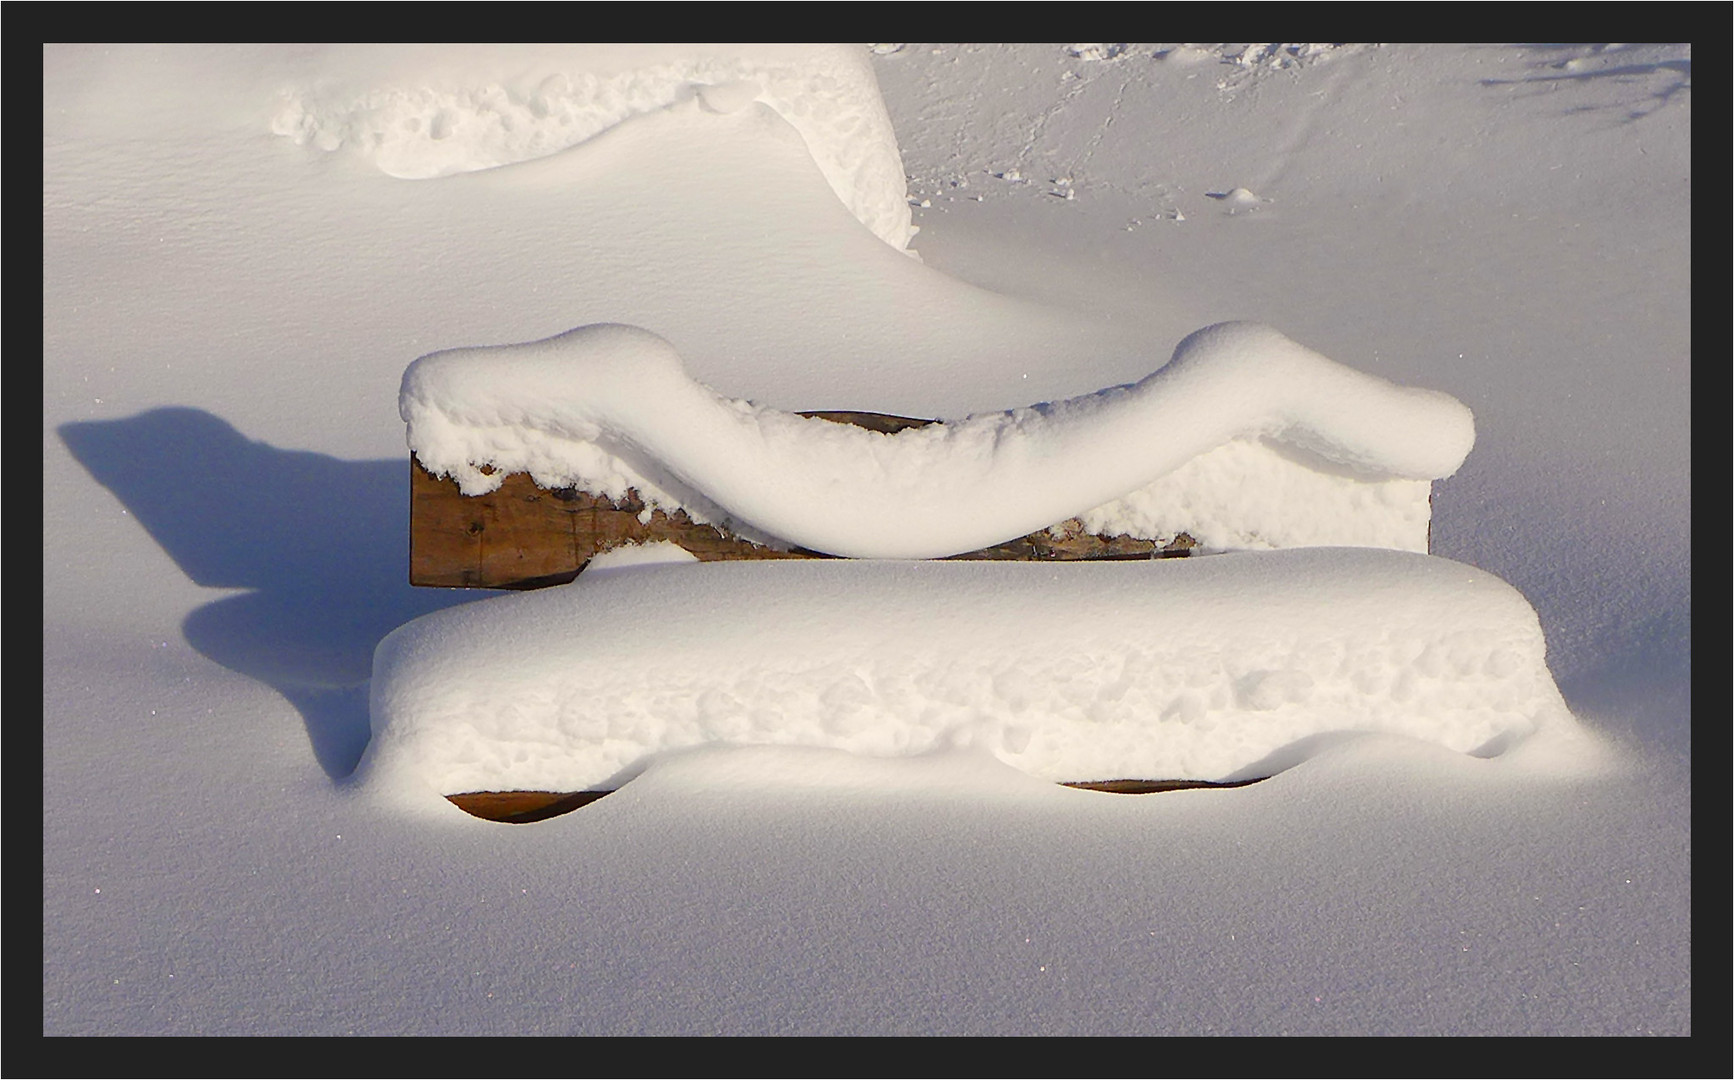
point(522, 536)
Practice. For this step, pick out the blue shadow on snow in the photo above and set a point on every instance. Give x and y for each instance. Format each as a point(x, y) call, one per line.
point(322, 543)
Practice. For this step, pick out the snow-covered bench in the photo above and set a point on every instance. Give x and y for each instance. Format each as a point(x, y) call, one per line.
point(530, 460)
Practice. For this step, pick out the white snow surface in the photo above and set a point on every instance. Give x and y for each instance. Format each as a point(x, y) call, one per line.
point(1207, 668)
point(418, 115)
point(227, 317)
point(1254, 494)
point(606, 408)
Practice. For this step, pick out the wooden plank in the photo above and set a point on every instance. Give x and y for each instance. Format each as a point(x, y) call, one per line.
point(522, 536)
point(523, 807)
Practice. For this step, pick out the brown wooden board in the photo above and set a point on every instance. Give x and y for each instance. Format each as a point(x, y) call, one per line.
point(524, 807)
point(523, 536)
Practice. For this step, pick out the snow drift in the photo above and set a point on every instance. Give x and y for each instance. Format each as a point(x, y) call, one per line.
point(420, 112)
point(608, 408)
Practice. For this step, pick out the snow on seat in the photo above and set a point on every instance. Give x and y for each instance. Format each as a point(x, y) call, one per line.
point(1243, 440)
point(1207, 669)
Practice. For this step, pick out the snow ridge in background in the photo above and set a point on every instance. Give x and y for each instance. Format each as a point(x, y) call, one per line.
point(433, 113)
point(607, 408)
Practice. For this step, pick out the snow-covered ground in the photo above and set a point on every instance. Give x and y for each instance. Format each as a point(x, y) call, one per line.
point(244, 247)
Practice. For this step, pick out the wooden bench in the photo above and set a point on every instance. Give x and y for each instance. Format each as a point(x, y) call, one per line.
point(523, 536)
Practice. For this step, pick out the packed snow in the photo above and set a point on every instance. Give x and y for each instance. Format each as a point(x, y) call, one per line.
point(244, 246)
point(609, 409)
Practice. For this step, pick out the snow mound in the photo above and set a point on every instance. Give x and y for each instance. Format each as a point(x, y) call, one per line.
point(1106, 52)
point(1191, 668)
point(424, 111)
point(1258, 494)
point(626, 556)
point(608, 408)
point(1278, 55)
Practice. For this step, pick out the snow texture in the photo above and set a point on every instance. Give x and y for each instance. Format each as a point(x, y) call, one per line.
point(607, 408)
point(420, 118)
point(1204, 668)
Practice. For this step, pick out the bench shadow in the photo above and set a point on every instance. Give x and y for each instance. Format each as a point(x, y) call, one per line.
point(321, 543)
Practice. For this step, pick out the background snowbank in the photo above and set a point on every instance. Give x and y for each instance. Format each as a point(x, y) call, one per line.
point(423, 111)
